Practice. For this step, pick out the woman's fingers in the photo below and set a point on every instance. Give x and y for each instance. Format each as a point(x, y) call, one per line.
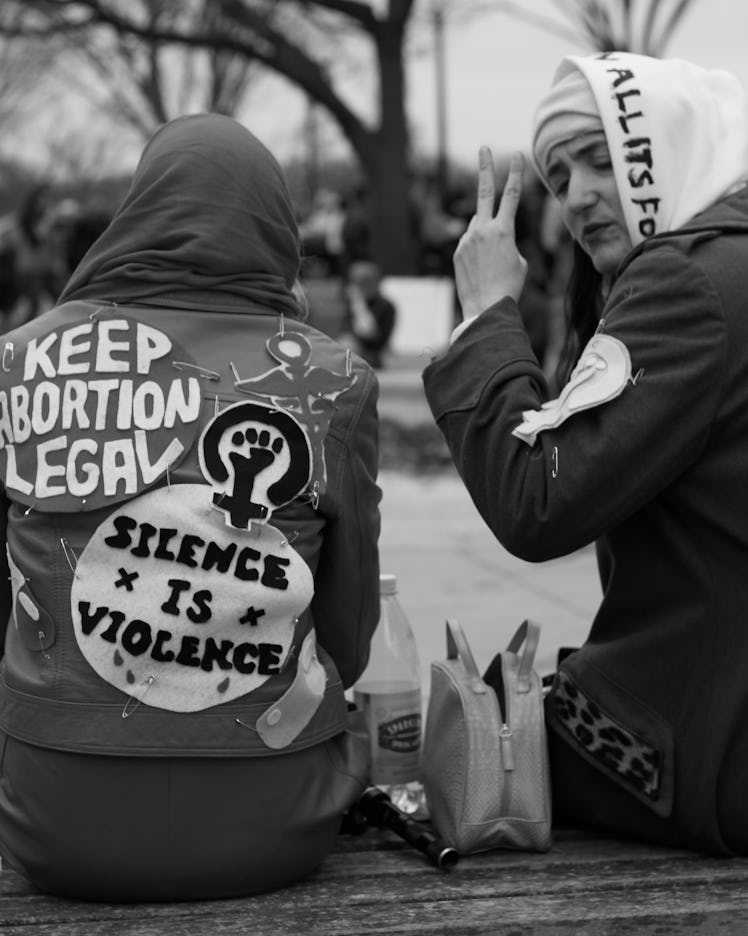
point(486, 185)
point(511, 195)
point(488, 265)
point(487, 190)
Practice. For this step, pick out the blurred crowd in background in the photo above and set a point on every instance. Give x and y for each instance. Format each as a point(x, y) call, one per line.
point(336, 239)
point(41, 243)
point(368, 187)
point(45, 236)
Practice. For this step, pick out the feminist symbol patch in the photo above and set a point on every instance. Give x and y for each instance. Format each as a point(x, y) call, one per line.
point(256, 459)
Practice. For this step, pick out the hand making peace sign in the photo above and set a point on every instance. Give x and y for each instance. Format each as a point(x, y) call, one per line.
point(488, 265)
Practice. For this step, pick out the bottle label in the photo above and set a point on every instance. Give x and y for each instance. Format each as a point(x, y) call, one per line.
point(393, 721)
point(401, 735)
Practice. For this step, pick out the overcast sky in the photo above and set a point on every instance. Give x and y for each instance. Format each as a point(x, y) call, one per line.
point(498, 67)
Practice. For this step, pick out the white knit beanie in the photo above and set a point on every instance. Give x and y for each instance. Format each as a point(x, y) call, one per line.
point(568, 110)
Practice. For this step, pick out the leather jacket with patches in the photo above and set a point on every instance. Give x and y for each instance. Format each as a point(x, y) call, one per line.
point(191, 516)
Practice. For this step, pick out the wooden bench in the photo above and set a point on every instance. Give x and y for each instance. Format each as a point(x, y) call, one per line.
point(375, 884)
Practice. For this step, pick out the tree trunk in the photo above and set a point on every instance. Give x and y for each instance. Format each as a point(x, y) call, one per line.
point(394, 239)
point(385, 156)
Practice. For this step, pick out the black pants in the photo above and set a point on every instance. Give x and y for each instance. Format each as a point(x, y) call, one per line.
point(156, 828)
point(584, 797)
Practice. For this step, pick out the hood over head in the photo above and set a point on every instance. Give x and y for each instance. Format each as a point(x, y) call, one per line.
point(677, 132)
point(208, 217)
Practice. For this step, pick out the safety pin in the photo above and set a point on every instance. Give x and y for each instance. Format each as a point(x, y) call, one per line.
point(92, 316)
point(347, 362)
point(636, 376)
point(287, 540)
point(245, 725)
point(28, 510)
point(282, 331)
point(8, 346)
point(216, 504)
point(554, 467)
point(202, 371)
point(147, 682)
point(41, 635)
point(65, 546)
point(600, 326)
point(168, 478)
point(216, 408)
point(315, 495)
point(235, 372)
point(292, 654)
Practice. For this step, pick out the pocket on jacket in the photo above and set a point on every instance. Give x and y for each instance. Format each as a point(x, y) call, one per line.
point(614, 731)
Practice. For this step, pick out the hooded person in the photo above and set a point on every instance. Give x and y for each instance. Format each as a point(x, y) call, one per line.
point(191, 517)
point(677, 133)
point(643, 452)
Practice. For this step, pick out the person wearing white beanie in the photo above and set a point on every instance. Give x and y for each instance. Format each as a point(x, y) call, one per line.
point(644, 452)
point(677, 133)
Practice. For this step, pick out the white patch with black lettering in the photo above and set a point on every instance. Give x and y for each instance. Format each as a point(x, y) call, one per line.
point(181, 611)
point(94, 412)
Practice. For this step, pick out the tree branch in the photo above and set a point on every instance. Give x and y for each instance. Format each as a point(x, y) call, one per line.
point(537, 19)
point(261, 42)
point(361, 13)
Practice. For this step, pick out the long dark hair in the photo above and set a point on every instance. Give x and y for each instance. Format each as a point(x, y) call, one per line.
point(582, 309)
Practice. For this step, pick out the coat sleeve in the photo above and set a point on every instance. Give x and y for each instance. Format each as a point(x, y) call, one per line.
point(602, 464)
point(345, 606)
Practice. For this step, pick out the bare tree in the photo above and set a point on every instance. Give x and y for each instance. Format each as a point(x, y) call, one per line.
point(22, 66)
point(299, 39)
point(139, 81)
point(643, 26)
point(305, 41)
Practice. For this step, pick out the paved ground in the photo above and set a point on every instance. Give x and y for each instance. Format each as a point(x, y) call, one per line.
point(449, 564)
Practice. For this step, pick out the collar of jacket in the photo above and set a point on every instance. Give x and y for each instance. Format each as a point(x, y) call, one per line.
point(727, 216)
point(195, 301)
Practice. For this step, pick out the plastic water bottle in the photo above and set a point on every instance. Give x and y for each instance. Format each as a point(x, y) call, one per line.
point(389, 695)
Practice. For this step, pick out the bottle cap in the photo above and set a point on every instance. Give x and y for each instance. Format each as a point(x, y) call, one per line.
point(387, 584)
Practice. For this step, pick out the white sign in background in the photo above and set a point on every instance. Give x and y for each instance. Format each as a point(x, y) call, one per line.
point(425, 316)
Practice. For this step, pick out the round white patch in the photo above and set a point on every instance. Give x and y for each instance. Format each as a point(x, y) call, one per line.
point(180, 611)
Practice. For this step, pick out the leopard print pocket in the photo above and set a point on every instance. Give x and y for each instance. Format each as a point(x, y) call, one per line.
point(636, 762)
